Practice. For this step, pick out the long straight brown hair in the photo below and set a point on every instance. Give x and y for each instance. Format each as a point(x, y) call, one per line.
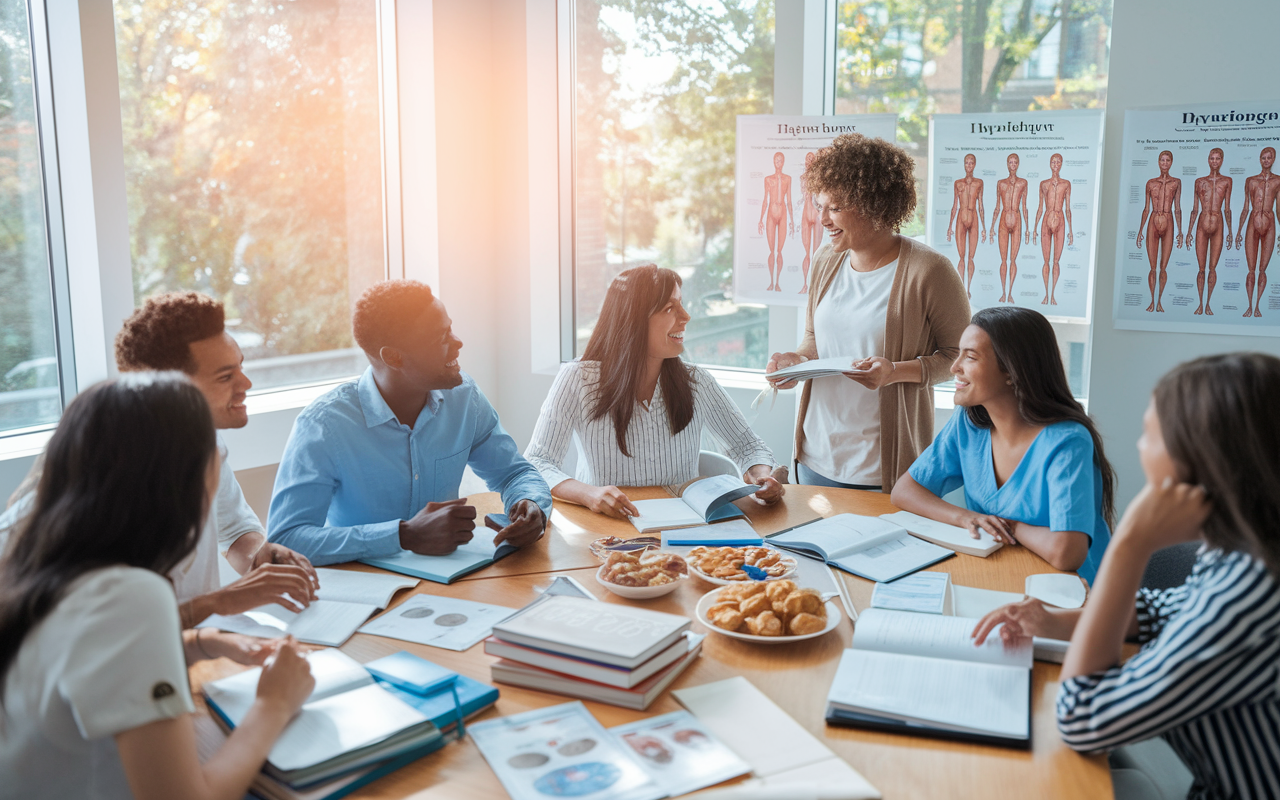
point(620, 342)
point(1218, 418)
point(1027, 351)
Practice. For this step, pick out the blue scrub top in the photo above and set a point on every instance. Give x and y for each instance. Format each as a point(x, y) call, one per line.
point(1056, 485)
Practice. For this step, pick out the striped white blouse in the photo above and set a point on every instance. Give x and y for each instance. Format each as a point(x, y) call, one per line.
point(658, 458)
point(1207, 680)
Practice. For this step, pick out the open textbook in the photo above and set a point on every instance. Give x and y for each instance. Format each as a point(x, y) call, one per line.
point(703, 501)
point(475, 554)
point(921, 674)
point(952, 537)
point(346, 599)
point(868, 547)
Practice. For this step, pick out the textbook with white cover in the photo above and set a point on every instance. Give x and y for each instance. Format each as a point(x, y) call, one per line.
point(624, 636)
point(921, 674)
point(702, 502)
point(591, 670)
point(345, 600)
point(868, 547)
point(348, 722)
point(950, 536)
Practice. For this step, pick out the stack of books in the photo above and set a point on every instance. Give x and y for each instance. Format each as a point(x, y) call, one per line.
point(610, 653)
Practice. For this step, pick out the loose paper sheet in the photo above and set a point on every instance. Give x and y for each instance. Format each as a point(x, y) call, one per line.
point(443, 622)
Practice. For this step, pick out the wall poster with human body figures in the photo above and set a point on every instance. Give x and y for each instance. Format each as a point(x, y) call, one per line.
point(1198, 219)
point(776, 227)
point(1012, 201)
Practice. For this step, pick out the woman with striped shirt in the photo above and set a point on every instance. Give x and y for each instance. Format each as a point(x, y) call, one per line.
point(1207, 679)
point(637, 408)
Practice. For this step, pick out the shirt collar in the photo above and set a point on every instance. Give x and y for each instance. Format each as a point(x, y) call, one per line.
point(375, 408)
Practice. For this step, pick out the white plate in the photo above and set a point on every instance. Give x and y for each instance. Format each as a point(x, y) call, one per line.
point(709, 599)
point(639, 592)
point(693, 569)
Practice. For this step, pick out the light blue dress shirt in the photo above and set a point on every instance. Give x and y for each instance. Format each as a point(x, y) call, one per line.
point(1056, 485)
point(351, 471)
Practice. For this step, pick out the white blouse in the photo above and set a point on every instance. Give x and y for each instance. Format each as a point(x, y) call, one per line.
point(658, 457)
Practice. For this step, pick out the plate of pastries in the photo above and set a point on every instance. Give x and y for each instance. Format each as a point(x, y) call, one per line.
point(724, 565)
point(770, 612)
point(642, 575)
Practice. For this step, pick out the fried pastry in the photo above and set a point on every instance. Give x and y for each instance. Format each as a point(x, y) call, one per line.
point(804, 623)
point(756, 604)
point(802, 601)
point(727, 616)
point(764, 624)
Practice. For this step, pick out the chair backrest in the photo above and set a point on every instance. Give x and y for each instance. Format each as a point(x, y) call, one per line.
point(1170, 566)
point(710, 464)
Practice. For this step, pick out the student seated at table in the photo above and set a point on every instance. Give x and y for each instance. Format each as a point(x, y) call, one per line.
point(373, 467)
point(637, 408)
point(1029, 458)
point(94, 685)
point(185, 331)
point(1207, 679)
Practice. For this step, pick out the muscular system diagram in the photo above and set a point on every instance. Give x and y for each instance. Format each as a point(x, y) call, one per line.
point(1163, 206)
point(776, 209)
point(1008, 222)
point(967, 215)
point(1209, 213)
point(1260, 193)
point(1055, 203)
point(810, 230)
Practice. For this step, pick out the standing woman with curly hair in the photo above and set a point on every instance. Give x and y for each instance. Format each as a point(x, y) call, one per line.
point(892, 306)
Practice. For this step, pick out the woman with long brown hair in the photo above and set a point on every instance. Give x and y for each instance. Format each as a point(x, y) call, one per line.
point(637, 409)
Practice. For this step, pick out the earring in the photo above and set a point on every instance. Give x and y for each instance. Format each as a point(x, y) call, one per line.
point(1008, 383)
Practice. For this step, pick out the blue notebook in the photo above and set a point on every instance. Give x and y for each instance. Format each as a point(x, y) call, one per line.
point(430, 688)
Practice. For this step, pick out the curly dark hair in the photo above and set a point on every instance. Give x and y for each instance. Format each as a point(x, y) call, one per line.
point(158, 336)
point(872, 175)
point(385, 309)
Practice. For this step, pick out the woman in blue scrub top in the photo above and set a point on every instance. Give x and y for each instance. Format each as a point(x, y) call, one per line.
point(1029, 457)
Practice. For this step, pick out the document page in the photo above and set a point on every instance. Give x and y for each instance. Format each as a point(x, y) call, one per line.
point(667, 512)
point(702, 495)
point(444, 622)
point(892, 558)
point(933, 636)
point(942, 532)
point(843, 534)
point(327, 622)
point(814, 368)
point(350, 586)
point(958, 695)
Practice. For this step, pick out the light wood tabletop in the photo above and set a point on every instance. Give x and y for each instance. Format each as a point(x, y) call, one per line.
point(796, 677)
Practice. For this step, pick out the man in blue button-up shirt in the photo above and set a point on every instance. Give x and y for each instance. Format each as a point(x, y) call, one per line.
point(373, 466)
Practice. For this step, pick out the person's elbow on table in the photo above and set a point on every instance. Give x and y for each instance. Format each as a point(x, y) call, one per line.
point(1068, 550)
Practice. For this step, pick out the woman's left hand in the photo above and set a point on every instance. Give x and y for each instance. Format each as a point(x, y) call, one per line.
point(872, 373)
point(1160, 516)
point(770, 490)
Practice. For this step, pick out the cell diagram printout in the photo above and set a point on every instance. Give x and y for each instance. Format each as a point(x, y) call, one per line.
point(1198, 218)
point(776, 227)
point(1011, 201)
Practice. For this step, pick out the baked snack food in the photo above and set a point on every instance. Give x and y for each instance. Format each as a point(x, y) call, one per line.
point(768, 608)
point(725, 563)
point(645, 568)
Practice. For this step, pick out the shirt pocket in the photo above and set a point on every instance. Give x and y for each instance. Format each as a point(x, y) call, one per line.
point(447, 475)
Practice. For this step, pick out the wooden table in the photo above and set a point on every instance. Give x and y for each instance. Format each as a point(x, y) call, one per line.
point(796, 677)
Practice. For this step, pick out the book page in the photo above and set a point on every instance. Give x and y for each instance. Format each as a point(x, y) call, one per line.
point(705, 495)
point(843, 534)
point(955, 694)
point(667, 512)
point(370, 588)
point(329, 621)
point(445, 622)
point(942, 532)
point(891, 558)
point(933, 636)
point(334, 672)
point(679, 753)
point(924, 592)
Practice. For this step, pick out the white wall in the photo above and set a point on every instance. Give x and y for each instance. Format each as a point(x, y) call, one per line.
point(1165, 52)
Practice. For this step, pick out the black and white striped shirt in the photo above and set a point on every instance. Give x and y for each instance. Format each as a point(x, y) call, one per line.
point(1207, 680)
point(658, 457)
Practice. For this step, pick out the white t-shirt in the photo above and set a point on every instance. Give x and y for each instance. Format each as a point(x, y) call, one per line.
point(107, 659)
point(842, 425)
point(230, 517)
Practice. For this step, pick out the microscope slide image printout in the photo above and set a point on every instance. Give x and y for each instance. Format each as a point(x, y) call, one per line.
point(1012, 201)
point(777, 231)
point(1198, 219)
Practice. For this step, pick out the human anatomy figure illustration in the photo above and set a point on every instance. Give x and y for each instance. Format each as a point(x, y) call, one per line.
point(810, 231)
point(1055, 203)
point(1164, 206)
point(1204, 226)
point(967, 215)
point(1260, 193)
point(1011, 214)
point(773, 211)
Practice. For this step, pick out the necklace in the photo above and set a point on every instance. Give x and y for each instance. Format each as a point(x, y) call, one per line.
point(888, 256)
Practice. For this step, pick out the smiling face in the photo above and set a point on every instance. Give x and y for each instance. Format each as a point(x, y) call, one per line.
point(428, 357)
point(1157, 464)
point(842, 223)
point(666, 328)
point(220, 378)
point(979, 379)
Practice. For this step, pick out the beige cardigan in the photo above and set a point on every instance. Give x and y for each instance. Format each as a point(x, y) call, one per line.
point(928, 310)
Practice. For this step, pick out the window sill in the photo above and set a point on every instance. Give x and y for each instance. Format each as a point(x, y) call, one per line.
point(24, 445)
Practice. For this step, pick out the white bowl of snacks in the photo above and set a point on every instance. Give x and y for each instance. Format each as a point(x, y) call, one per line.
point(768, 612)
point(723, 566)
point(642, 575)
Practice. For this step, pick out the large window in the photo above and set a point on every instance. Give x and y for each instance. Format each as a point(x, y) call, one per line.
point(29, 390)
point(657, 88)
point(252, 143)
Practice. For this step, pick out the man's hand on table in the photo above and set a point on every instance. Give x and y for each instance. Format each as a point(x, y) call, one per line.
point(439, 528)
point(527, 524)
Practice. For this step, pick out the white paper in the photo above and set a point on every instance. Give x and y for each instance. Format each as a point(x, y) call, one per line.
point(924, 592)
point(830, 772)
point(352, 586)
point(813, 368)
point(734, 530)
point(1035, 138)
point(933, 636)
point(327, 622)
point(679, 753)
point(956, 694)
point(668, 512)
point(845, 534)
point(1063, 591)
point(977, 603)
point(774, 196)
point(561, 751)
point(443, 622)
point(941, 532)
point(1190, 132)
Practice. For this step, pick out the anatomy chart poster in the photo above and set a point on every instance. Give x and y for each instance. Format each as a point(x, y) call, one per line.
point(776, 228)
point(1198, 219)
point(1012, 202)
